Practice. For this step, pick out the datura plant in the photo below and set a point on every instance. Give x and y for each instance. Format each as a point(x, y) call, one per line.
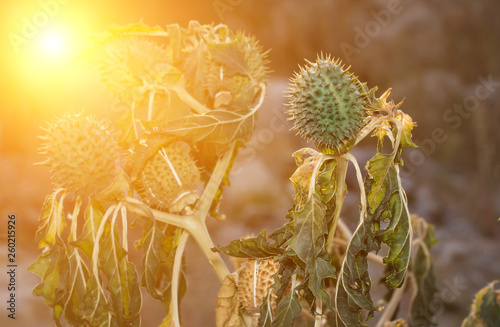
point(189, 99)
point(319, 267)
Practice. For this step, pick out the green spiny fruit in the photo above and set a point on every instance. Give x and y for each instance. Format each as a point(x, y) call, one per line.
point(82, 154)
point(328, 104)
point(170, 178)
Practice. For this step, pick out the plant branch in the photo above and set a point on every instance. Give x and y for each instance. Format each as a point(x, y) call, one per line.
point(200, 233)
point(190, 223)
point(391, 308)
point(180, 90)
point(174, 302)
point(318, 317)
point(150, 104)
point(340, 173)
point(214, 183)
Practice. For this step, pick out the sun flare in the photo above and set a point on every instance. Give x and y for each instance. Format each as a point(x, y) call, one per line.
point(54, 45)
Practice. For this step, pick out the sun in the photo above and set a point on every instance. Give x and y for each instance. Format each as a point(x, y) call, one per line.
point(54, 44)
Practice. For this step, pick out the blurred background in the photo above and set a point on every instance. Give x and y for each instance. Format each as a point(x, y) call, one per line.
point(440, 56)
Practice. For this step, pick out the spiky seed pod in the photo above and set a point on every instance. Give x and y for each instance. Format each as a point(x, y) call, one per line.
point(254, 280)
point(328, 104)
point(129, 64)
point(170, 178)
point(82, 154)
point(255, 57)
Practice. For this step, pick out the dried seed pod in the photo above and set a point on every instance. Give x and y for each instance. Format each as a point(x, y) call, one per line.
point(82, 154)
point(328, 104)
point(170, 178)
point(129, 64)
point(254, 280)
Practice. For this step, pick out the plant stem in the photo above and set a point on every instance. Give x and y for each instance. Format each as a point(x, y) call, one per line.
point(340, 173)
point(150, 104)
point(190, 100)
point(391, 308)
point(318, 317)
point(214, 183)
point(200, 233)
point(141, 209)
point(175, 278)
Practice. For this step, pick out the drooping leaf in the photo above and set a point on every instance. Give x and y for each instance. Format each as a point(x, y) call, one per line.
point(288, 310)
point(348, 310)
point(308, 243)
point(159, 248)
point(53, 266)
point(255, 247)
point(122, 283)
point(51, 222)
point(227, 304)
point(77, 283)
point(485, 310)
point(93, 217)
point(386, 204)
point(421, 309)
point(96, 304)
point(353, 287)
point(408, 125)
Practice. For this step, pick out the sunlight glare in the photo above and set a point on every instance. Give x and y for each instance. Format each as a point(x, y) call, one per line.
point(54, 45)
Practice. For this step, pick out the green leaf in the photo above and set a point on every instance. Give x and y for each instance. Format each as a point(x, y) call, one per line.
point(230, 55)
point(93, 217)
point(159, 252)
point(96, 304)
point(212, 133)
point(353, 287)
point(485, 309)
point(386, 204)
point(421, 310)
point(51, 222)
point(256, 248)
point(125, 294)
point(348, 310)
point(53, 267)
point(308, 243)
point(217, 128)
point(288, 310)
point(77, 283)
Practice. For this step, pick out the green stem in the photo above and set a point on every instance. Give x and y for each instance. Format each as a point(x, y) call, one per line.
point(180, 89)
point(175, 278)
point(200, 233)
point(214, 183)
point(193, 224)
point(340, 173)
point(150, 104)
point(190, 100)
